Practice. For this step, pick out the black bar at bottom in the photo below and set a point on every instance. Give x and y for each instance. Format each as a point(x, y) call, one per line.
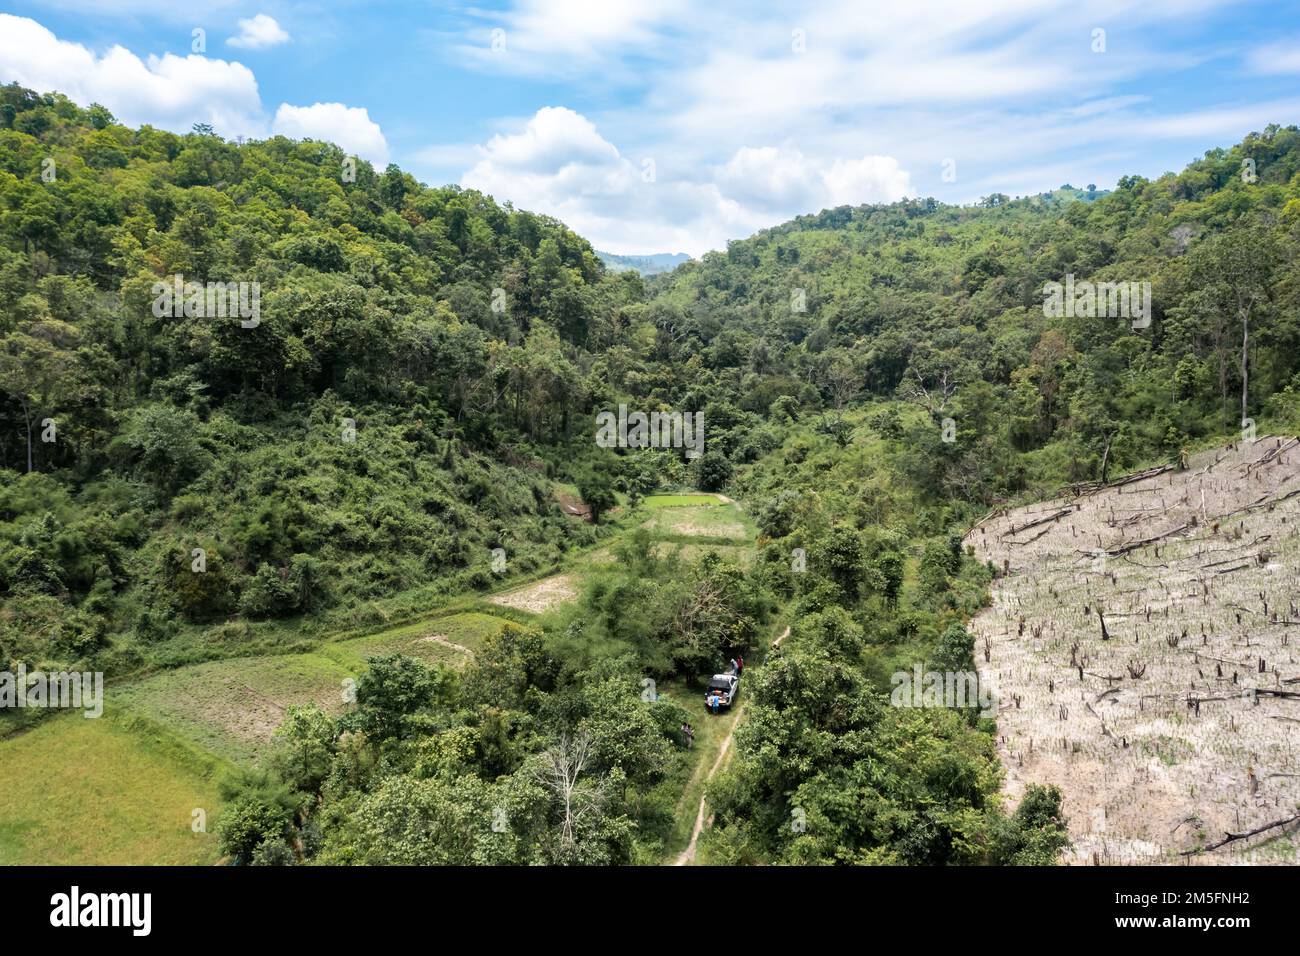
point(306, 904)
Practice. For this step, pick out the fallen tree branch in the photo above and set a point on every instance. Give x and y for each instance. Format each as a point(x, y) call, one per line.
point(1081, 488)
point(1030, 540)
point(1054, 516)
point(1233, 837)
point(1283, 694)
point(1125, 549)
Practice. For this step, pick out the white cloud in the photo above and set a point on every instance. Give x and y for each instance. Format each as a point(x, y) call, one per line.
point(553, 37)
point(174, 92)
point(1108, 105)
point(784, 179)
point(349, 126)
point(769, 178)
point(1276, 58)
point(258, 33)
point(169, 91)
point(760, 112)
point(554, 138)
point(559, 163)
point(1219, 124)
point(870, 179)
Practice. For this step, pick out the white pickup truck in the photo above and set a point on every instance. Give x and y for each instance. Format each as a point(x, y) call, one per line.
point(725, 687)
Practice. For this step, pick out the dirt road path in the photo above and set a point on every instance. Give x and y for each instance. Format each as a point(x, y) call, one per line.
point(688, 855)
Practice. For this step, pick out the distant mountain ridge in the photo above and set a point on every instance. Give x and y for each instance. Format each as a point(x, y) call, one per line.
point(647, 265)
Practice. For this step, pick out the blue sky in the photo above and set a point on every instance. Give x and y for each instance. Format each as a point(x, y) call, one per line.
point(664, 125)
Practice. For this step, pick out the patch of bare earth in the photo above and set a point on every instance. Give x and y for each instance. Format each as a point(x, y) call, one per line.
point(1176, 725)
point(539, 596)
point(249, 714)
point(442, 641)
point(573, 505)
point(683, 525)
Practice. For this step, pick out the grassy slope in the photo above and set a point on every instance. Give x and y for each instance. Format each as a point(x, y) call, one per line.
point(232, 707)
point(100, 792)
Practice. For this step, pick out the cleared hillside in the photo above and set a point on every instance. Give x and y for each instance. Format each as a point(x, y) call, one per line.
point(1142, 641)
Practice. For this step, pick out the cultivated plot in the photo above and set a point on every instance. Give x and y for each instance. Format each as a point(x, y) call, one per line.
point(232, 707)
point(540, 596)
point(720, 521)
point(451, 640)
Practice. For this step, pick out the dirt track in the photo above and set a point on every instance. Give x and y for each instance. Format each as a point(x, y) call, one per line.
point(688, 855)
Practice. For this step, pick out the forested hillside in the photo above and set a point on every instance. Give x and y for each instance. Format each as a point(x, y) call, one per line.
point(415, 400)
point(943, 307)
point(386, 423)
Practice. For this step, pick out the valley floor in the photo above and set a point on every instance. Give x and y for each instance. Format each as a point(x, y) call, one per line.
point(127, 788)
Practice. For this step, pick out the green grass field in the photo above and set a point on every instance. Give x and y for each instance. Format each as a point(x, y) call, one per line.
point(742, 555)
point(679, 501)
point(121, 789)
point(80, 791)
point(722, 523)
point(429, 640)
point(232, 707)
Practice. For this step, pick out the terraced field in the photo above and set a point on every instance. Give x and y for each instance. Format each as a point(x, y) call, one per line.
point(540, 596)
point(702, 519)
point(451, 640)
point(232, 707)
point(742, 554)
point(682, 501)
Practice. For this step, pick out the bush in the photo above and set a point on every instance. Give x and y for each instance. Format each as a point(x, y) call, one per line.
point(247, 824)
point(712, 471)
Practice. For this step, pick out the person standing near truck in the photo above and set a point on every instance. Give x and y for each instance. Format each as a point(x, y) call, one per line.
point(713, 703)
point(740, 665)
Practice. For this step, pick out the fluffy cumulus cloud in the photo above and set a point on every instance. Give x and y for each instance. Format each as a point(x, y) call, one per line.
point(258, 33)
point(757, 112)
point(175, 92)
point(554, 139)
point(865, 180)
point(169, 91)
point(560, 164)
point(784, 179)
point(349, 126)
